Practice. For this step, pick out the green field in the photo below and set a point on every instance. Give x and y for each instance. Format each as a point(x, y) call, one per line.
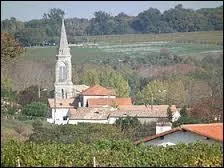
point(117, 52)
point(211, 37)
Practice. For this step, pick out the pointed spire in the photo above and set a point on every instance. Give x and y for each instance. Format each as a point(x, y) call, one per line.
point(63, 48)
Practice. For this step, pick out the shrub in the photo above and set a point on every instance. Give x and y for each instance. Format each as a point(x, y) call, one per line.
point(37, 109)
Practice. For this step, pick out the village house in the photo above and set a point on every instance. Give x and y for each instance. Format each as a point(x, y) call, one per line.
point(189, 133)
point(73, 104)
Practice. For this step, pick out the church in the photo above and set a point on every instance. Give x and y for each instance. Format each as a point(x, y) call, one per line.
point(73, 104)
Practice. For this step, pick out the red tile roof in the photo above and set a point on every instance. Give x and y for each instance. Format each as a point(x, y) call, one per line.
point(98, 90)
point(109, 101)
point(84, 113)
point(213, 131)
point(62, 103)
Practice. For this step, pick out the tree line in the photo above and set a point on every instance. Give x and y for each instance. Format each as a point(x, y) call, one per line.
point(46, 31)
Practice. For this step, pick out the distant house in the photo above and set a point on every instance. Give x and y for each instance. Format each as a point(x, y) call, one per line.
point(109, 114)
point(59, 109)
point(96, 92)
point(189, 133)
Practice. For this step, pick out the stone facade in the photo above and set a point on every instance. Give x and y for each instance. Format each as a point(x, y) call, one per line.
point(63, 83)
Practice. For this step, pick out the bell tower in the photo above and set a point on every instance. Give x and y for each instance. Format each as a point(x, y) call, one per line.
point(63, 71)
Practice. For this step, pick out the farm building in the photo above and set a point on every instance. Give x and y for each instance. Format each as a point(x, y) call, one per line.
point(189, 133)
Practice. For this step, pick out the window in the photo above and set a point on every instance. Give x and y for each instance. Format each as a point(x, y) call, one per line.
point(65, 117)
point(62, 71)
point(161, 138)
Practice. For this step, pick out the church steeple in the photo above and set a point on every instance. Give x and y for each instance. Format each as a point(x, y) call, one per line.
point(63, 70)
point(63, 48)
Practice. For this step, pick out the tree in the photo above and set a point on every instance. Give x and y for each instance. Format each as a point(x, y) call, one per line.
point(155, 92)
point(36, 109)
point(176, 92)
point(28, 95)
point(10, 49)
point(169, 113)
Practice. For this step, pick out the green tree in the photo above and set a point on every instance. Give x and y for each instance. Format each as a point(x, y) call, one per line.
point(176, 92)
point(155, 92)
point(36, 109)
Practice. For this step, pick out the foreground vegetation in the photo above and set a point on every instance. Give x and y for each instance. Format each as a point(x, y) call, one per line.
point(110, 153)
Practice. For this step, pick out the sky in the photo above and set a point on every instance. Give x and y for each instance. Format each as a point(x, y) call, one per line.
point(28, 10)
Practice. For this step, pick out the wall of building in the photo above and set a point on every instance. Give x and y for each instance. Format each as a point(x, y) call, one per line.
point(177, 138)
point(58, 115)
point(85, 98)
point(160, 128)
point(71, 121)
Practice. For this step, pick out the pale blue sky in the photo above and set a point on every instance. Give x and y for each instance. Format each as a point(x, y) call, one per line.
point(28, 10)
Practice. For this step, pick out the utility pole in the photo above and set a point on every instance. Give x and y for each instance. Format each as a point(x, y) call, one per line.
point(152, 102)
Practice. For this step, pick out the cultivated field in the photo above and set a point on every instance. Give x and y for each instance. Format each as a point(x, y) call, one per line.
point(211, 37)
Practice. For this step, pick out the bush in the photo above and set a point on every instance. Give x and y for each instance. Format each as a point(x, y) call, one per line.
point(37, 109)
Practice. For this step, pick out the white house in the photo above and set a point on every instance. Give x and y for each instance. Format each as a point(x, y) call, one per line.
point(59, 110)
point(190, 133)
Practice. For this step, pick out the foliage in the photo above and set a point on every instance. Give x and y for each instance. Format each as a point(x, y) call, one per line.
point(127, 122)
point(110, 153)
point(86, 133)
point(208, 108)
point(45, 31)
point(10, 49)
point(37, 109)
point(107, 77)
point(187, 118)
point(169, 113)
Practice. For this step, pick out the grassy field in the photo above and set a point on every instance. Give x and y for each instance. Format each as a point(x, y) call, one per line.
point(14, 128)
point(212, 37)
point(117, 52)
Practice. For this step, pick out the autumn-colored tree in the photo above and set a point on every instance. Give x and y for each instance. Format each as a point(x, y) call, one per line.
point(10, 49)
point(208, 108)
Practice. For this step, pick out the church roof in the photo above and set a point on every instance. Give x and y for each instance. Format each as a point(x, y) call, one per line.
point(109, 101)
point(98, 90)
point(61, 103)
point(63, 48)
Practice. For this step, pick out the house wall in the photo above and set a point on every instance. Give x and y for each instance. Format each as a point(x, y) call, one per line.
point(58, 115)
point(177, 138)
point(160, 129)
point(87, 121)
point(85, 98)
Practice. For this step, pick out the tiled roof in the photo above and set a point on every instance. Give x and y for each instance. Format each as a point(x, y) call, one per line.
point(98, 90)
point(142, 111)
point(62, 103)
point(104, 113)
point(80, 88)
point(84, 113)
point(213, 131)
point(99, 102)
